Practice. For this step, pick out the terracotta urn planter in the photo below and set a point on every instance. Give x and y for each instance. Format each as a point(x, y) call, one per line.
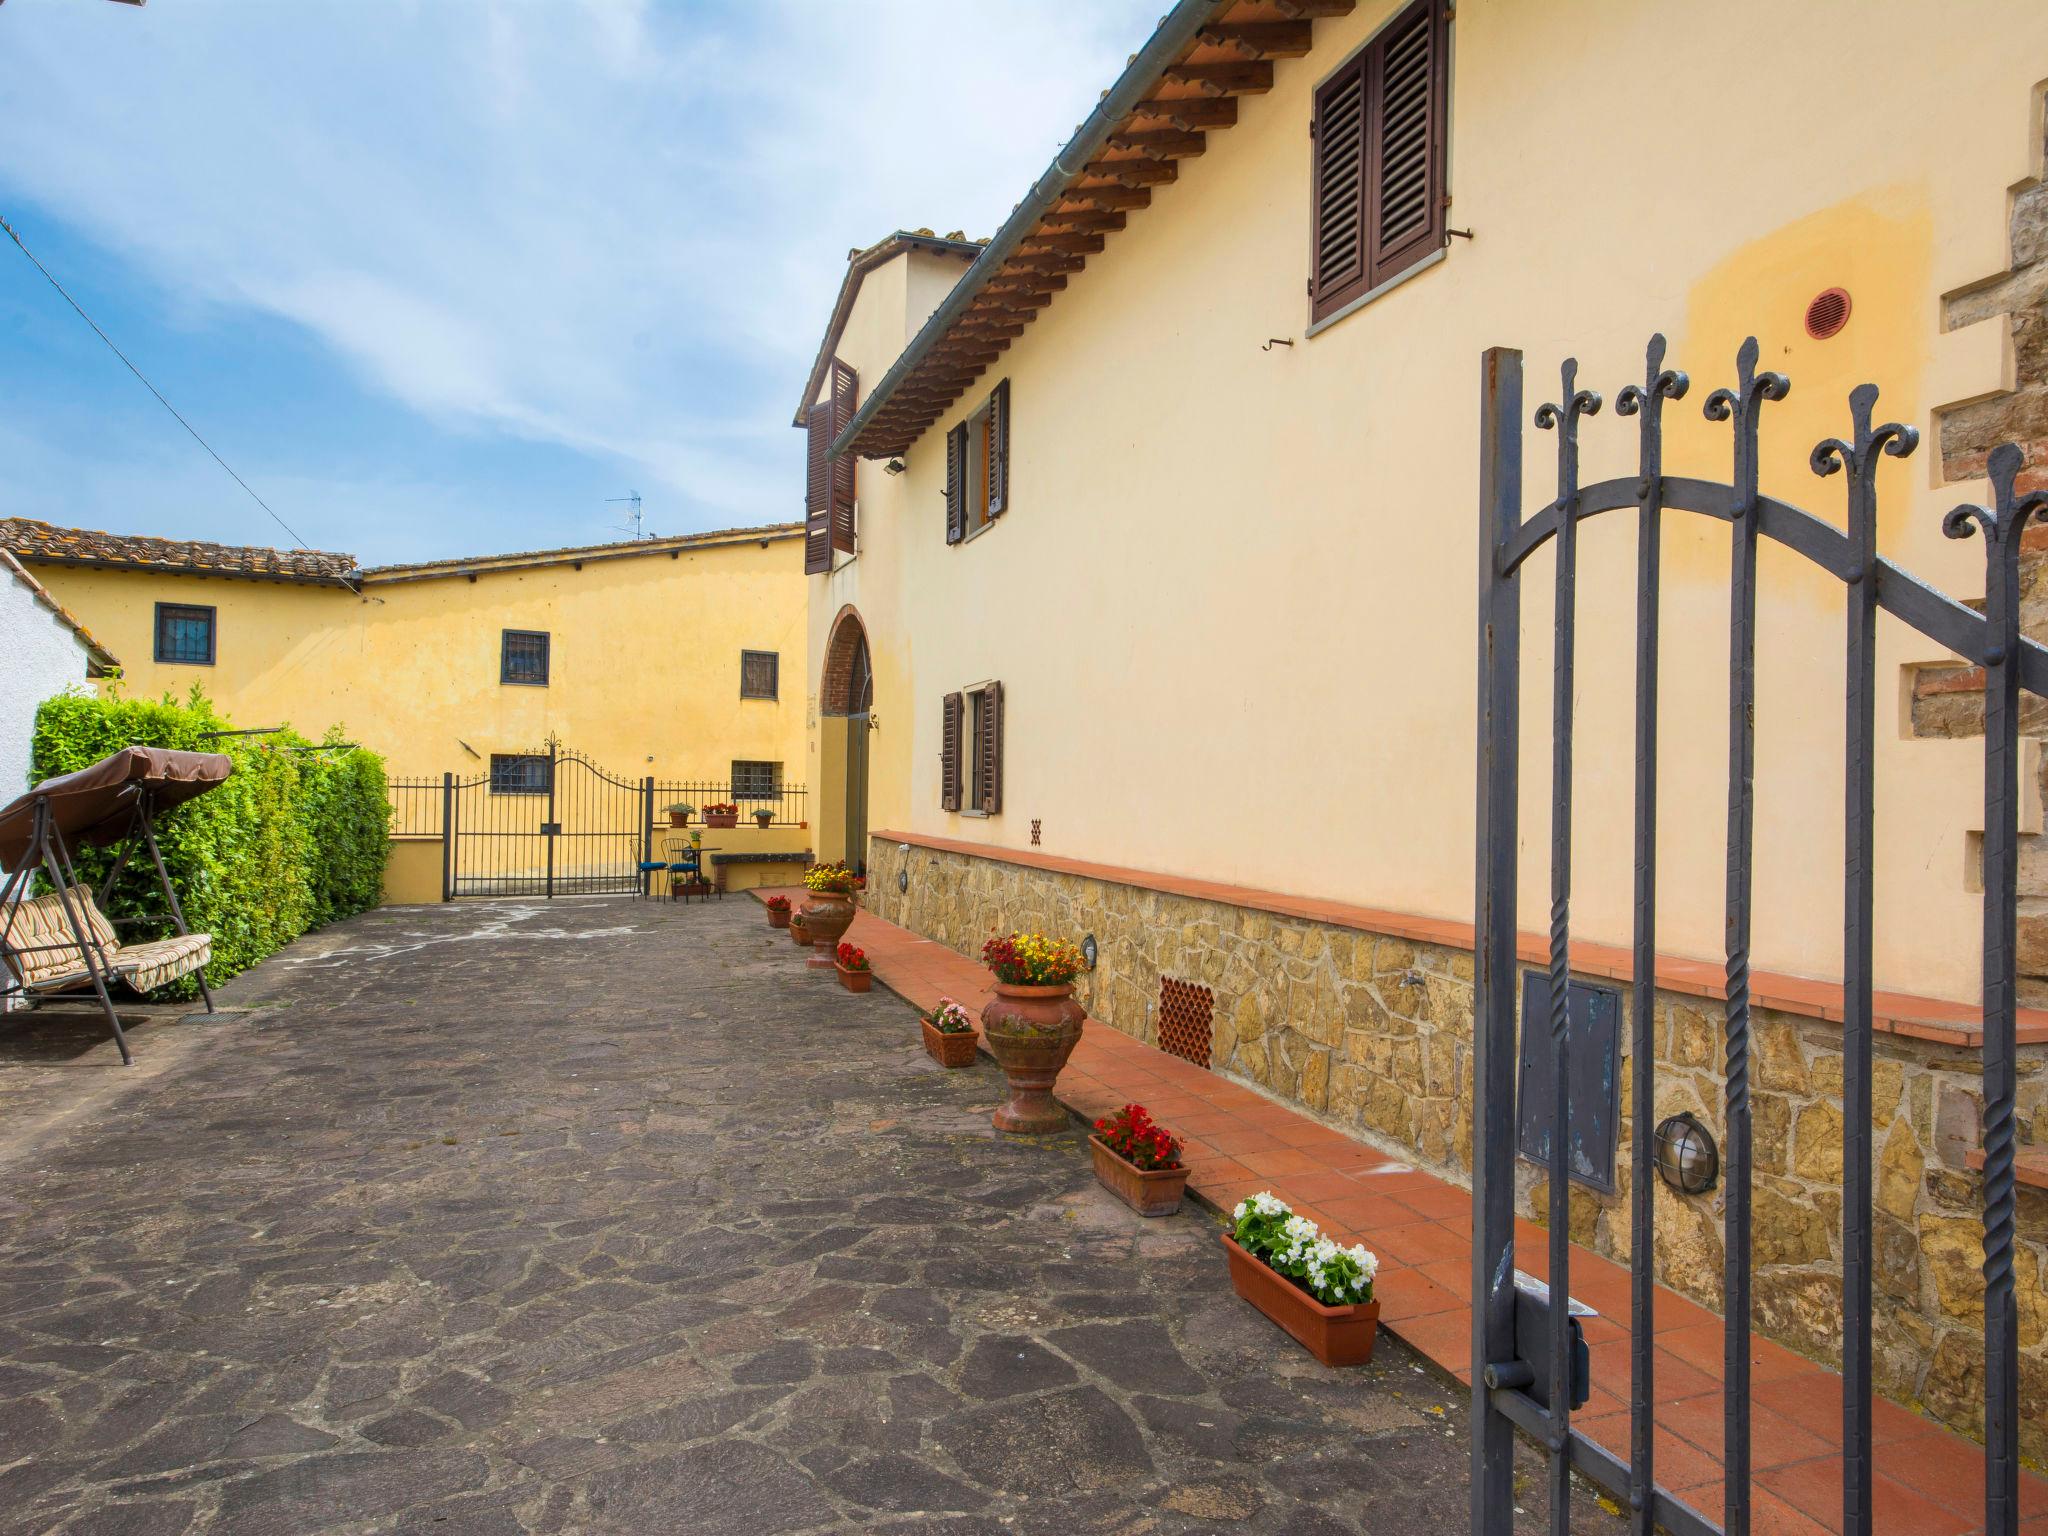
point(949, 1050)
point(1334, 1335)
point(826, 918)
point(1148, 1191)
point(778, 917)
point(854, 981)
point(1031, 1031)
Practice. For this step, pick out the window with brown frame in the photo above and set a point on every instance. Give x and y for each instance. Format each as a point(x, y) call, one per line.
point(760, 674)
point(971, 751)
point(978, 467)
point(1377, 146)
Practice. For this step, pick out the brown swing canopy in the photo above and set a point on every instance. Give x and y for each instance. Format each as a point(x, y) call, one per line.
point(96, 804)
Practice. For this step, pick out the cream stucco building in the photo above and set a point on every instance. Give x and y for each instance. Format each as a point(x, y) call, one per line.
point(1142, 593)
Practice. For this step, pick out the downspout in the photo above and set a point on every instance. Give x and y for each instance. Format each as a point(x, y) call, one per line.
point(1140, 76)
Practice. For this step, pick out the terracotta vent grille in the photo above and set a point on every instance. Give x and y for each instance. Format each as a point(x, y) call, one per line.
point(1827, 314)
point(1185, 1013)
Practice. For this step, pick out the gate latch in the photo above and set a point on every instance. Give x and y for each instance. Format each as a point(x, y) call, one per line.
point(1529, 1371)
point(551, 829)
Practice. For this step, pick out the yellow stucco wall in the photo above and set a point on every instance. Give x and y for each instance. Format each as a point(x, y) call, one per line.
point(1232, 602)
point(644, 667)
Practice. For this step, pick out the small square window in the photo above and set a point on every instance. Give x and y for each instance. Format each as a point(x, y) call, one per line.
point(519, 773)
point(184, 635)
point(756, 781)
point(524, 658)
point(760, 674)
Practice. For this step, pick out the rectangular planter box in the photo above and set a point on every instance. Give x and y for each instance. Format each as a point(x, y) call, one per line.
point(1334, 1335)
point(778, 919)
point(1148, 1191)
point(853, 981)
point(955, 1050)
point(721, 818)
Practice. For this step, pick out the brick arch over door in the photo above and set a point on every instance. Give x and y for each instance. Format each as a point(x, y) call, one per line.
point(848, 685)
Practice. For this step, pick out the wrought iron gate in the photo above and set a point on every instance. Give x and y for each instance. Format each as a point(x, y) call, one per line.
point(562, 826)
point(1523, 1348)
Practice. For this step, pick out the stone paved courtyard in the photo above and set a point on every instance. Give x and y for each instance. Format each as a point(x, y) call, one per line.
point(611, 1216)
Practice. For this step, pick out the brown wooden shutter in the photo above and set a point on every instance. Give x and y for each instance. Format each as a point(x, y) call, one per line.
point(999, 450)
point(1337, 132)
point(956, 490)
point(1378, 136)
point(817, 490)
point(1407, 99)
point(845, 400)
point(949, 752)
point(992, 749)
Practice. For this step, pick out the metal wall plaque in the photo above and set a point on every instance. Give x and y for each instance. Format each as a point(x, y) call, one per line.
point(1593, 1074)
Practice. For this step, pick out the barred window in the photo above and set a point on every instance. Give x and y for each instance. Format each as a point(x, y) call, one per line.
point(760, 674)
point(756, 781)
point(184, 634)
point(519, 773)
point(524, 658)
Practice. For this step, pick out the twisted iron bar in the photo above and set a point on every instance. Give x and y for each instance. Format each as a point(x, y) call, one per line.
point(1646, 403)
point(1564, 420)
point(2004, 526)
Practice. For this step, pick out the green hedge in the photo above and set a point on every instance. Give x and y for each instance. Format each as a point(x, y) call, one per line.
point(293, 840)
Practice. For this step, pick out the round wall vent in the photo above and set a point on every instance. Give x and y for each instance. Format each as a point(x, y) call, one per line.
point(1827, 314)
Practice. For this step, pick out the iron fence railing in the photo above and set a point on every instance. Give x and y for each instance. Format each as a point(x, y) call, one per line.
point(418, 803)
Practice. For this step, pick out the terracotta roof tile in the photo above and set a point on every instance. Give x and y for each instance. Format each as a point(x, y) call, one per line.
point(32, 539)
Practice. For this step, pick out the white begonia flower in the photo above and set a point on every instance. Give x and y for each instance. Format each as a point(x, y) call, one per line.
point(1238, 1213)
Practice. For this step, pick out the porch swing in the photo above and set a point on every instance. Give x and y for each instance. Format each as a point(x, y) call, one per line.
point(61, 941)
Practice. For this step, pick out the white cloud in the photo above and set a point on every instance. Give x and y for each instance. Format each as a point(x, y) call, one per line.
point(613, 226)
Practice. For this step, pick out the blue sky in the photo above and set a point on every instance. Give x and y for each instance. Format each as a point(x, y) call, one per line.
point(440, 276)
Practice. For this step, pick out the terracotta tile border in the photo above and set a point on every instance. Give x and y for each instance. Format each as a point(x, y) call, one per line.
point(1899, 1013)
point(1928, 1478)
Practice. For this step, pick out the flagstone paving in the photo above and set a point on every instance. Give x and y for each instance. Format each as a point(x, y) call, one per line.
point(610, 1216)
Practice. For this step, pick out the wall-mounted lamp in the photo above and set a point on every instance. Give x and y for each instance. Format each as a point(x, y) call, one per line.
point(893, 467)
point(902, 878)
point(1088, 951)
point(1687, 1158)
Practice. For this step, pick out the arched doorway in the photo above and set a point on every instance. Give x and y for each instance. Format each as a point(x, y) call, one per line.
point(846, 693)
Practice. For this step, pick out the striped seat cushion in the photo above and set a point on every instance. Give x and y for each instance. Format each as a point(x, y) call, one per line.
point(146, 967)
point(40, 949)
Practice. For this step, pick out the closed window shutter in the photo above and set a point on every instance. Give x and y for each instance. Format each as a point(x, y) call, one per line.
point(992, 749)
point(1378, 160)
point(817, 490)
point(845, 400)
point(999, 450)
point(1407, 99)
point(1340, 211)
point(956, 490)
point(949, 752)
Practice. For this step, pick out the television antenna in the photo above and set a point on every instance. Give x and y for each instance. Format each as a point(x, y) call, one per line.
point(635, 524)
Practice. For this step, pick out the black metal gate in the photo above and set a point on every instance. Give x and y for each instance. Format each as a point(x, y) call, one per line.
point(1523, 1347)
point(545, 823)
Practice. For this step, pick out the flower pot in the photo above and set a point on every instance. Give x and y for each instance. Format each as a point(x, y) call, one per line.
point(778, 917)
point(679, 818)
point(721, 818)
point(763, 818)
point(854, 981)
point(797, 932)
point(1031, 1031)
point(828, 917)
point(948, 1050)
point(1148, 1191)
point(1334, 1335)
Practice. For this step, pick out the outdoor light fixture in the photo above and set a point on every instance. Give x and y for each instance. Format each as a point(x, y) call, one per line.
point(893, 467)
point(1687, 1159)
point(902, 878)
point(1088, 951)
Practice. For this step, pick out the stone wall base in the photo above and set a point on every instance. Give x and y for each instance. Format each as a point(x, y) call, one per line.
point(1372, 1033)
